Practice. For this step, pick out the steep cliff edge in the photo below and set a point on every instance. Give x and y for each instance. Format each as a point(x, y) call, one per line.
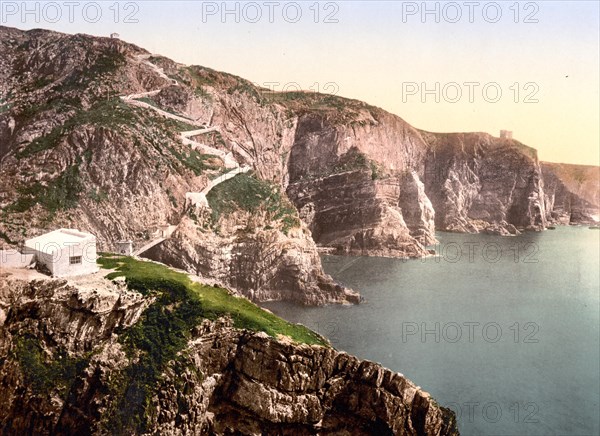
point(477, 182)
point(572, 193)
point(354, 178)
point(84, 358)
point(366, 182)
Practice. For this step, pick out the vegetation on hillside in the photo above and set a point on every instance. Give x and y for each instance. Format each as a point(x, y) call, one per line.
point(111, 113)
point(44, 374)
point(336, 108)
point(60, 194)
point(248, 192)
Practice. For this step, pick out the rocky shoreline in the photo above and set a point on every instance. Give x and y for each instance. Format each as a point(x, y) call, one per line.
point(224, 380)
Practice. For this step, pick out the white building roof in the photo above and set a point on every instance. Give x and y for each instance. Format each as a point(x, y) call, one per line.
point(55, 240)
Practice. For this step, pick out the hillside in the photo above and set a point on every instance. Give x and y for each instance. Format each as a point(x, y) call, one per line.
point(81, 148)
point(99, 134)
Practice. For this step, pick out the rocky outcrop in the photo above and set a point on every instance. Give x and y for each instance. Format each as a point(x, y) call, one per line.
point(76, 317)
point(347, 178)
point(262, 386)
point(47, 330)
point(572, 193)
point(263, 264)
point(355, 214)
point(478, 182)
point(417, 209)
point(225, 380)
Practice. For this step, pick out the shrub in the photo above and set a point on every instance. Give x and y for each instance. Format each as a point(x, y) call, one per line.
point(247, 192)
point(46, 376)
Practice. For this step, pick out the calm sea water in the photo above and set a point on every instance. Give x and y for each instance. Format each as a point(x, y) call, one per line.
point(505, 331)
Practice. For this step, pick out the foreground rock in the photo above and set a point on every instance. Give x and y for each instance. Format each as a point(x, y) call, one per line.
point(224, 381)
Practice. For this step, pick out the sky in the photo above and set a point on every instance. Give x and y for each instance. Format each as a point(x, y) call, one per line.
point(528, 67)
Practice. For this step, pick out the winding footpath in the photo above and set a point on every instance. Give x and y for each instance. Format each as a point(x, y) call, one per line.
point(192, 199)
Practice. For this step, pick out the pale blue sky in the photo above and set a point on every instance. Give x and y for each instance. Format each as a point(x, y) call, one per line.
point(372, 54)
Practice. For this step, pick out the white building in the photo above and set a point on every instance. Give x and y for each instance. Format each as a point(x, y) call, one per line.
point(125, 247)
point(65, 252)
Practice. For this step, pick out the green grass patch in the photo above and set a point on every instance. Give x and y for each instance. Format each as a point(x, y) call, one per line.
point(47, 375)
point(249, 193)
point(61, 194)
point(351, 161)
point(162, 334)
point(97, 195)
point(106, 113)
point(148, 277)
point(148, 100)
point(195, 161)
point(5, 107)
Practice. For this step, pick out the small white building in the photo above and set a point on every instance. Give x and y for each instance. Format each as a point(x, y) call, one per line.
point(124, 247)
point(65, 252)
point(506, 134)
point(115, 35)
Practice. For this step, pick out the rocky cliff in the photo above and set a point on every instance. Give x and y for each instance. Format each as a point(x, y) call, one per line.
point(391, 185)
point(572, 193)
point(82, 358)
point(480, 183)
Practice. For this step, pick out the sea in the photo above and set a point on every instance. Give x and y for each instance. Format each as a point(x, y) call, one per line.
point(502, 330)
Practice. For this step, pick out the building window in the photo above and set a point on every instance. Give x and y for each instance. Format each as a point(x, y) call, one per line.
point(74, 260)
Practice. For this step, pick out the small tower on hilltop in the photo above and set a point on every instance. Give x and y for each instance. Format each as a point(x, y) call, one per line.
point(506, 134)
point(115, 35)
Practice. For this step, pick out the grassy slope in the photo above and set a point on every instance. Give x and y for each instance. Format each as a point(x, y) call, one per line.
point(161, 335)
point(214, 302)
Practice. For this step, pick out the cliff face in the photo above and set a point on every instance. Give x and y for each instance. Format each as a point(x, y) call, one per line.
point(572, 193)
point(63, 364)
point(478, 183)
point(353, 177)
point(262, 264)
point(371, 184)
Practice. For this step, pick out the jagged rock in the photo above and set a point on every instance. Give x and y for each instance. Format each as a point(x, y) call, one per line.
point(475, 180)
point(262, 265)
point(76, 317)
